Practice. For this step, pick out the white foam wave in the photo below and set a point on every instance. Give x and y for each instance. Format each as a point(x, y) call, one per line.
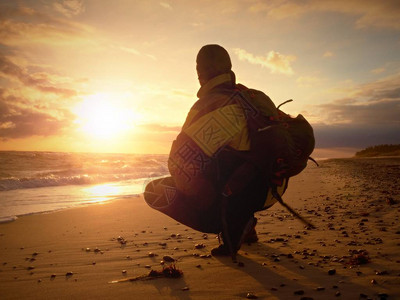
point(7, 219)
point(48, 181)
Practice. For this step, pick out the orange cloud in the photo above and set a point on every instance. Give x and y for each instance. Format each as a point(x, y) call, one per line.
point(369, 13)
point(69, 8)
point(328, 54)
point(166, 5)
point(40, 81)
point(308, 81)
point(19, 121)
point(373, 103)
point(378, 70)
point(22, 25)
point(368, 118)
point(160, 128)
point(274, 61)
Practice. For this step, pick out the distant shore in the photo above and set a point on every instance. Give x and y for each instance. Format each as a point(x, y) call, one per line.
point(353, 253)
point(380, 151)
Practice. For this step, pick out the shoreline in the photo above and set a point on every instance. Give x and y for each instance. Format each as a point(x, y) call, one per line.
point(13, 218)
point(95, 244)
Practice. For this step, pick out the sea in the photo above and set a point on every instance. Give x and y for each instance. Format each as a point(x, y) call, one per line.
point(41, 182)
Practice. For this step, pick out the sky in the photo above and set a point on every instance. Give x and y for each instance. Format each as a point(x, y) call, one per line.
point(119, 76)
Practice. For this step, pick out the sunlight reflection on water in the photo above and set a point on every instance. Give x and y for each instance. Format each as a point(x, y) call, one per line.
point(101, 193)
point(46, 199)
point(104, 192)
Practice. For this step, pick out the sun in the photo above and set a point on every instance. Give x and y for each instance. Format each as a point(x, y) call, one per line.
point(103, 116)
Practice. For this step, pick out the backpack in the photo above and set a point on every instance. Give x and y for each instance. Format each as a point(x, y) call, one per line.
point(281, 144)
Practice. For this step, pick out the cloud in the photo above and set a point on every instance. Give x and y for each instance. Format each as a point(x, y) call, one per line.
point(328, 136)
point(39, 81)
point(134, 51)
point(17, 120)
point(22, 25)
point(166, 5)
point(368, 118)
point(184, 93)
point(69, 8)
point(386, 87)
point(368, 13)
point(328, 54)
point(308, 81)
point(130, 50)
point(373, 103)
point(160, 128)
point(278, 9)
point(160, 134)
point(274, 61)
point(378, 70)
point(379, 112)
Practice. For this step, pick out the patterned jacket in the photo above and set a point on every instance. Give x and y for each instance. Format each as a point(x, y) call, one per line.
point(214, 139)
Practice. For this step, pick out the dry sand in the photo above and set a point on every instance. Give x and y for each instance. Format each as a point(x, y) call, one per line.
point(353, 253)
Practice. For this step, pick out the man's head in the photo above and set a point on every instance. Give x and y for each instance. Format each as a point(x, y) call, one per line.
point(212, 60)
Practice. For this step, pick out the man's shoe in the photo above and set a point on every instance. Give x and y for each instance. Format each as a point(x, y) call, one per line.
point(251, 237)
point(221, 250)
point(249, 233)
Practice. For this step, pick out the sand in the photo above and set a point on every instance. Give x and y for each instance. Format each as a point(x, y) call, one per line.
point(353, 253)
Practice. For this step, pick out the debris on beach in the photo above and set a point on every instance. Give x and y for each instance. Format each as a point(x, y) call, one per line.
point(167, 272)
point(199, 246)
point(360, 257)
point(168, 258)
point(251, 296)
point(298, 292)
point(390, 201)
point(121, 240)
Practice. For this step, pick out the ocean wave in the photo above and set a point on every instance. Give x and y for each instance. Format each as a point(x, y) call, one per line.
point(7, 219)
point(24, 170)
point(52, 180)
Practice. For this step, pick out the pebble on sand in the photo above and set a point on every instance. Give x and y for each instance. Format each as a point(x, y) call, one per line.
point(168, 258)
point(298, 292)
point(251, 296)
point(199, 246)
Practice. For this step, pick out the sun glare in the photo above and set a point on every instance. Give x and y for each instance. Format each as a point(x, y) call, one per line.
point(103, 116)
point(100, 193)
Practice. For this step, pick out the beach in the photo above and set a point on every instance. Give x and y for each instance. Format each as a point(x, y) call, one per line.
point(353, 253)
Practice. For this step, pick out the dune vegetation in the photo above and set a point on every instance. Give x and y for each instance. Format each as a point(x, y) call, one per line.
point(380, 150)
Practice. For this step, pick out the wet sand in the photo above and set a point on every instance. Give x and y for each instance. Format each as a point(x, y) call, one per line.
point(354, 253)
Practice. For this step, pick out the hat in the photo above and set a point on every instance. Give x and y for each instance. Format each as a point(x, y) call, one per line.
point(212, 60)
